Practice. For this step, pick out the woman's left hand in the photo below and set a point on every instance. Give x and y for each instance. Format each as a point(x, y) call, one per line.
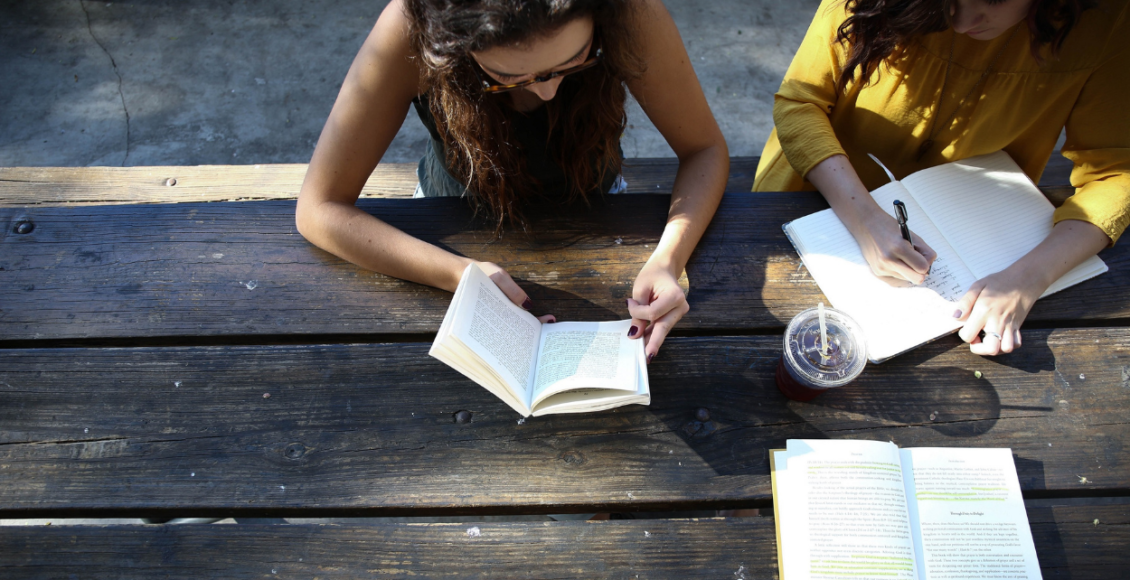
point(997, 304)
point(657, 303)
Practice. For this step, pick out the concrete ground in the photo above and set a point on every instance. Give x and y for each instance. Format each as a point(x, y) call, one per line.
point(160, 82)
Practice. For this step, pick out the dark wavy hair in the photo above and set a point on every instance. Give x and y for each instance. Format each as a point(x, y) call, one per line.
point(878, 29)
point(586, 117)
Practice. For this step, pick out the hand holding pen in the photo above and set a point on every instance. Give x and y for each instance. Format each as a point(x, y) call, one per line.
point(920, 248)
point(900, 215)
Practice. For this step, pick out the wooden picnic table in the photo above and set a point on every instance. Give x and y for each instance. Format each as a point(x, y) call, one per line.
point(199, 358)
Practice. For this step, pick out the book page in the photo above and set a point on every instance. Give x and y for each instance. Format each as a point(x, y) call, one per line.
point(842, 511)
point(893, 319)
point(990, 212)
point(585, 355)
point(948, 277)
point(968, 508)
point(498, 331)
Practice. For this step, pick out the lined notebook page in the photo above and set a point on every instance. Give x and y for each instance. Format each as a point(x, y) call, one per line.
point(990, 213)
point(948, 276)
point(894, 320)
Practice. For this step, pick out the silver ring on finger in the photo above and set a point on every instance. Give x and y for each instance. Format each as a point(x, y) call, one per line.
point(991, 333)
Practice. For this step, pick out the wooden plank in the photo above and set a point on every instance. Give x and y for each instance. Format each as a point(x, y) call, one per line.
point(678, 549)
point(53, 186)
point(241, 269)
point(1080, 541)
point(50, 186)
point(369, 428)
point(1076, 542)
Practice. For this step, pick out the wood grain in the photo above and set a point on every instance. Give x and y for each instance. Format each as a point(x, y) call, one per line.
point(241, 269)
point(1076, 542)
point(369, 428)
point(51, 186)
point(678, 549)
point(54, 186)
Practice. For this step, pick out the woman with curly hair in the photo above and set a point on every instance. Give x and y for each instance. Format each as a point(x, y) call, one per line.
point(523, 99)
point(920, 83)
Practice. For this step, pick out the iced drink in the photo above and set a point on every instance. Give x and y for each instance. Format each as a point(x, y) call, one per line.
point(806, 369)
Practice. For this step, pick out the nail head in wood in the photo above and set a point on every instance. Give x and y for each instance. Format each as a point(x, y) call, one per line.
point(171, 181)
point(702, 414)
point(462, 417)
point(295, 451)
point(24, 227)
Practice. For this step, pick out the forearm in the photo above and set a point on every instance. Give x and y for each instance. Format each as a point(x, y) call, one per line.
point(699, 185)
point(844, 191)
point(352, 234)
point(1068, 245)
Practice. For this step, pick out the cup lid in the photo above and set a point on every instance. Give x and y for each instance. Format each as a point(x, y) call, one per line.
point(846, 354)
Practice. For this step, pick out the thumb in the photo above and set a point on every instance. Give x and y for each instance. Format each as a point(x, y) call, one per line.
point(965, 305)
point(510, 288)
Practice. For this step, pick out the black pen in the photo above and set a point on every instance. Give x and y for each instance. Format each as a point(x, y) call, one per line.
point(900, 215)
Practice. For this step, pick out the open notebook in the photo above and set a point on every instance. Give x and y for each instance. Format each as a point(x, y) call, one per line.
point(980, 215)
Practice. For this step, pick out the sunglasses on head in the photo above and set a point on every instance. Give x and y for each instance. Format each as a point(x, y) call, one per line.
point(488, 87)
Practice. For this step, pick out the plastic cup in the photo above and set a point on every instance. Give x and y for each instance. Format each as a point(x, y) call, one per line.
point(803, 371)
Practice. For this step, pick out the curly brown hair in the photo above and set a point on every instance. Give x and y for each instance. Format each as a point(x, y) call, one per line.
point(586, 118)
point(878, 29)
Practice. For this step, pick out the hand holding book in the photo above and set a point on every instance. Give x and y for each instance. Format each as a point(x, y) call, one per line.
point(536, 368)
point(510, 288)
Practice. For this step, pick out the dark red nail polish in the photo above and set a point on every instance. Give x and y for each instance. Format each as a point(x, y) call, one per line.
point(552, 320)
point(627, 303)
point(633, 330)
point(649, 357)
point(527, 303)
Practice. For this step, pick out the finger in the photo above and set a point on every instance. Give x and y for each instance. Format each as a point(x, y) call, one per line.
point(1008, 339)
point(1019, 342)
point(659, 307)
point(511, 289)
point(914, 260)
point(973, 327)
point(548, 319)
point(638, 324)
point(923, 248)
point(896, 266)
point(988, 346)
point(657, 333)
point(897, 282)
point(965, 305)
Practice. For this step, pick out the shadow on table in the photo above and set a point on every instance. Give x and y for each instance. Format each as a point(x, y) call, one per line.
point(731, 415)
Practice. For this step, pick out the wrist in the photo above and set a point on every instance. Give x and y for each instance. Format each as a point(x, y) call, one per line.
point(1031, 276)
point(666, 261)
point(455, 274)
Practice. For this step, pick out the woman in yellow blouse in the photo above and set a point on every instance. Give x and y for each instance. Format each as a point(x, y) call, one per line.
point(951, 79)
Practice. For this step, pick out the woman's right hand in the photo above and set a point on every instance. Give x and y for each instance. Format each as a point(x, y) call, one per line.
point(891, 257)
point(511, 289)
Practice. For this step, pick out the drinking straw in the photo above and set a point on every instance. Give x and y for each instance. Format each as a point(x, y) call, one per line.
point(823, 332)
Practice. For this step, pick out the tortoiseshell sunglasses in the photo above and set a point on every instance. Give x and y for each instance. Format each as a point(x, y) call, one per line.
point(591, 62)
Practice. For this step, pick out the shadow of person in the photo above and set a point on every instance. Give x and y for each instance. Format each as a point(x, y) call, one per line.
point(718, 396)
point(909, 390)
point(1033, 356)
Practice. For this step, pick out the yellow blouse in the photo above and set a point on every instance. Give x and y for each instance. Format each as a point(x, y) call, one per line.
point(1020, 108)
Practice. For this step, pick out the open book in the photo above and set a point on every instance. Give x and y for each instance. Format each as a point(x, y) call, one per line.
point(866, 509)
point(539, 369)
point(980, 215)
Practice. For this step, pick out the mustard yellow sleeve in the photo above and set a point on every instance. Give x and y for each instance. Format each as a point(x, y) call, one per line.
point(808, 93)
point(1098, 142)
